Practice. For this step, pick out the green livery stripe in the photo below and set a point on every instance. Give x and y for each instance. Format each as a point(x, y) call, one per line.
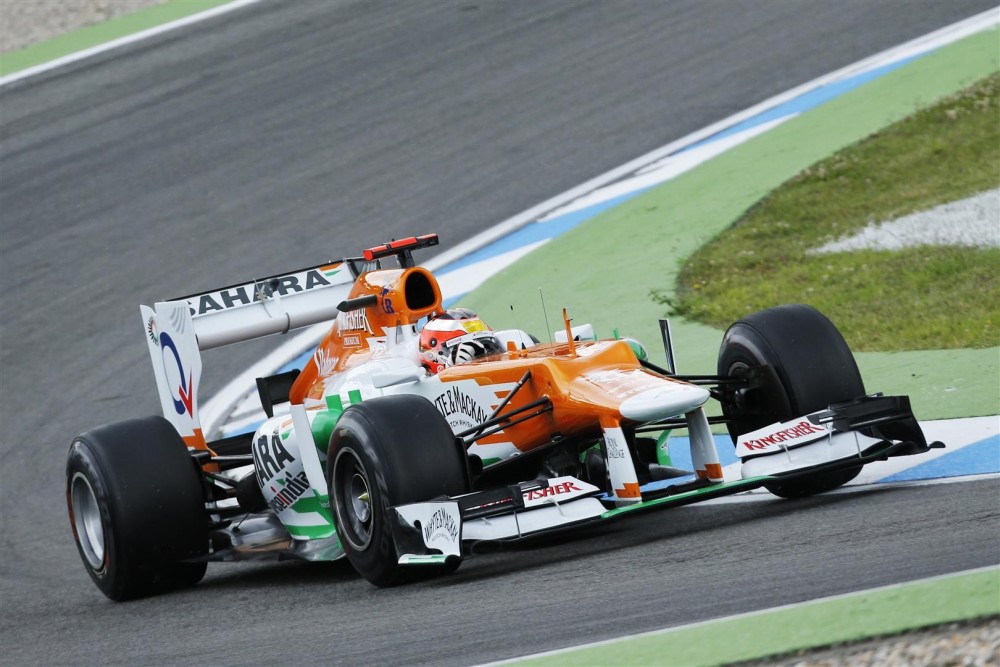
point(322, 428)
point(663, 449)
point(334, 403)
point(730, 487)
point(433, 559)
point(784, 630)
point(318, 504)
point(354, 396)
point(311, 532)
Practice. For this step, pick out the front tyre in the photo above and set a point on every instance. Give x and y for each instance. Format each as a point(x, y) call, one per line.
point(802, 364)
point(384, 453)
point(137, 508)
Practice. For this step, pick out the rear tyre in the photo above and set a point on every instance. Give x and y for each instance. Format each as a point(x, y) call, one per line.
point(805, 365)
point(386, 452)
point(137, 508)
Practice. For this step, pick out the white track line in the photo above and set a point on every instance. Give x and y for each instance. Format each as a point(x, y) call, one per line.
point(125, 41)
point(215, 410)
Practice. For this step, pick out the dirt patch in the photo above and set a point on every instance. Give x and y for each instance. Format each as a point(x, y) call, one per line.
point(972, 644)
point(26, 22)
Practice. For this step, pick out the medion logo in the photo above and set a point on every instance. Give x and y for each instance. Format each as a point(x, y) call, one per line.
point(800, 430)
point(293, 490)
point(244, 295)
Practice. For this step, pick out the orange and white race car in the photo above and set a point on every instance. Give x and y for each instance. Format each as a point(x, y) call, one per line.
point(415, 432)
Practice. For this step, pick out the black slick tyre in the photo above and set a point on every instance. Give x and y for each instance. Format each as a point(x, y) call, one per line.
point(804, 365)
point(137, 508)
point(387, 452)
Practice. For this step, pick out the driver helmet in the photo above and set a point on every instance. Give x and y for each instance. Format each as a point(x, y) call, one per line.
point(455, 337)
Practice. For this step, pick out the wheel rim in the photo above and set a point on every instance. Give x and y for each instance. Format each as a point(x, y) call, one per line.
point(87, 521)
point(355, 515)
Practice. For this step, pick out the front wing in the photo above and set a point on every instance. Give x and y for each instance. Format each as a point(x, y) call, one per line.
point(859, 432)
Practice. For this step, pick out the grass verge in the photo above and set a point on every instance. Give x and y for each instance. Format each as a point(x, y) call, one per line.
point(784, 630)
point(920, 298)
point(605, 268)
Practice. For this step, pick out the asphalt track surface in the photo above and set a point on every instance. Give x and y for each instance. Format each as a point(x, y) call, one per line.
point(286, 134)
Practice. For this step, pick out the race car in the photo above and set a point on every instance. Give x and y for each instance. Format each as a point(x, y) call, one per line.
point(415, 432)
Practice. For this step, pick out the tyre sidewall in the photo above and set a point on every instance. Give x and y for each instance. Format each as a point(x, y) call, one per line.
point(111, 576)
point(409, 455)
point(804, 365)
point(151, 503)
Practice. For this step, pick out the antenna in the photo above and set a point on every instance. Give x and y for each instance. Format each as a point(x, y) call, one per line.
point(547, 327)
point(520, 336)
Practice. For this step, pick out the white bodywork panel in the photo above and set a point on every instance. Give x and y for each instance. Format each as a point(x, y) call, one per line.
point(173, 350)
point(795, 444)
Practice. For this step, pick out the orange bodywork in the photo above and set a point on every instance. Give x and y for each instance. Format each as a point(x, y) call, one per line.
point(352, 338)
point(585, 381)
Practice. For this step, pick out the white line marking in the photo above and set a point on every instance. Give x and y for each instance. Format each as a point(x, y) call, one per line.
point(666, 169)
point(930, 41)
point(749, 614)
point(762, 495)
point(124, 41)
point(219, 406)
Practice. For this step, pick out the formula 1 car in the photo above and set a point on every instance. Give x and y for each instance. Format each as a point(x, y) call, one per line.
point(367, 454)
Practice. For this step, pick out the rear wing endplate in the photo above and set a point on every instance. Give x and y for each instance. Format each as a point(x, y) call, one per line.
point(177, 330)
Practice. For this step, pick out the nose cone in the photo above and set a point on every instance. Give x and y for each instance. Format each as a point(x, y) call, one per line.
point(670, 400)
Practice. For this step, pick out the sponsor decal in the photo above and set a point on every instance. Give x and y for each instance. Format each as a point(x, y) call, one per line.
point(352, 341)
point(184, 400)
point(244, 295)
point(560, 489)
point(792, 433)
point(551, 491)
point(621, 384)
point(151, 331)
point(293, 488)
point(270, 457)
point(616, 448)
point(386, 302)
point(325, 362)
point(441, 526)
point(355, 320)
point(460, 408)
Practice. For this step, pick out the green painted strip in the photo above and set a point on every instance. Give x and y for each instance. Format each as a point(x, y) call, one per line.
point(819, 623)
point(432, 559)
point(354, 396)
point(734, 487)
point(676, 218)
point(311, 532)
point(334, 404)
point(100, 33)
point(663, 449)
point(322, 428)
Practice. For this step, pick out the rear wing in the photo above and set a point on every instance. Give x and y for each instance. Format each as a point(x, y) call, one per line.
point(177, 330)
